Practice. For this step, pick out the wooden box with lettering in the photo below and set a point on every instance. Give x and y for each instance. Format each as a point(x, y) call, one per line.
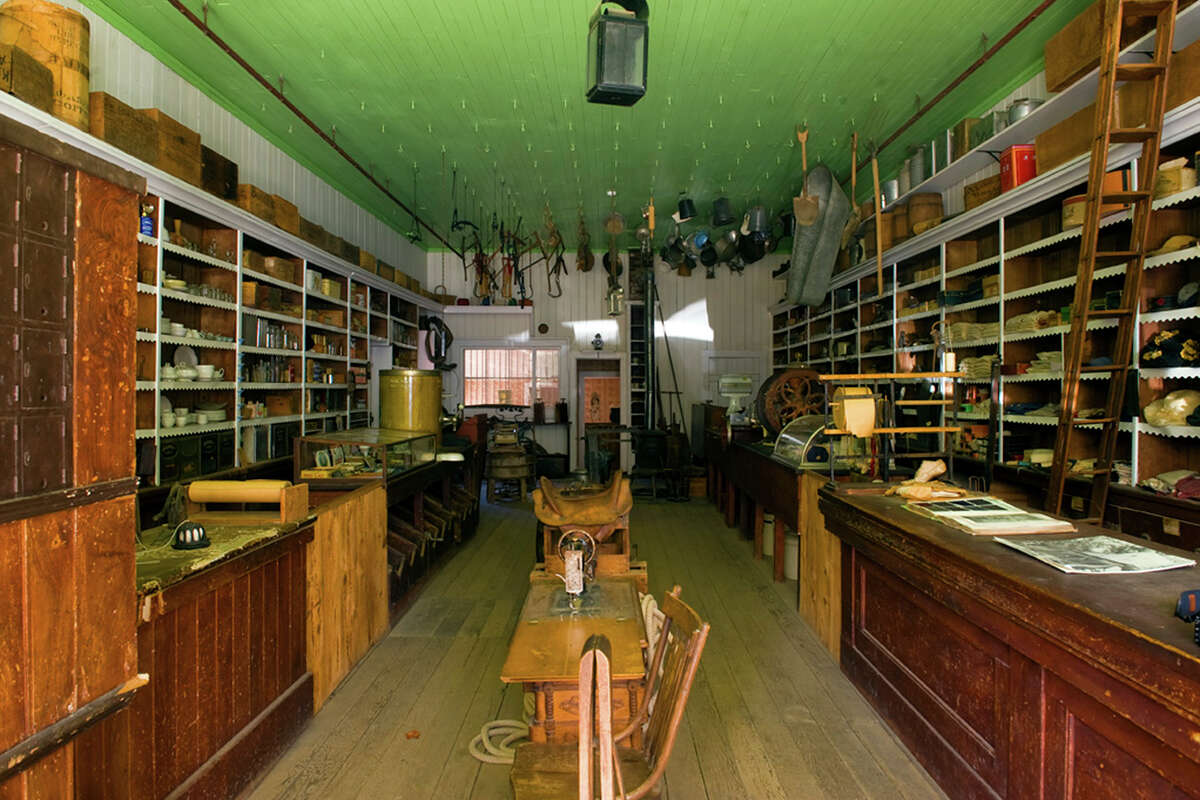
point(178, 147)
point(978, 193)
point(122, 126)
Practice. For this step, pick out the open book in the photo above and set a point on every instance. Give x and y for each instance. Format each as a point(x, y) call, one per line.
point(988, 516)
point(1097, 555)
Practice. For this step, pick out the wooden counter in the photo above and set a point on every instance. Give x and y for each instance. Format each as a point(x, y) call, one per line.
point(747, 483)
point(229, 687)
point(1008, 678)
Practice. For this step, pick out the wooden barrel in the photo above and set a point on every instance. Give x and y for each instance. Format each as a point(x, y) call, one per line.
point(411, 400)
point(60, 39)
point(509, 465)
point(899, 223)
point(924, 207)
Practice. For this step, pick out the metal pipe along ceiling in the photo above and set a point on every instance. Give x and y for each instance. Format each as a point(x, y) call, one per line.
point(202, 25)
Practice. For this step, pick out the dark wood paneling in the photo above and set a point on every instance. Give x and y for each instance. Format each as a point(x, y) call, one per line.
point(14, 721)
point(106, 304)
point(204, 696)
point(1104, 757)
point(1007, 678)
point(947, 680)
point(50, 553)
point(105, 575)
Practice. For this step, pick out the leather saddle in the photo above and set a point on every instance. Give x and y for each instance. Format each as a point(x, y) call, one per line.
point(601, 509)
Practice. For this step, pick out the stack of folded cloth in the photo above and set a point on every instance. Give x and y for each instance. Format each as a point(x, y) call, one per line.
point(1049, 361)
point(957, 332)
point(1033, 321)
point(1032, 409)
point(980, 367)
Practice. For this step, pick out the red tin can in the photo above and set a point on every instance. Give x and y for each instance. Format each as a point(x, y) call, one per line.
point(1018, 164)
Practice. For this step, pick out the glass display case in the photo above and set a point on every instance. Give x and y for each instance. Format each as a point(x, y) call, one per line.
point(802, 442)
point(361, 454)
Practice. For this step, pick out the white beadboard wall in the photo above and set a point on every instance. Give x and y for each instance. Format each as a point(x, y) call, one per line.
point(132, 75)
point(736, 306)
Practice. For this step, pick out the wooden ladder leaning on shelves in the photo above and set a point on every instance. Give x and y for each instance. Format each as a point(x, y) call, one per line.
point(1141, 198)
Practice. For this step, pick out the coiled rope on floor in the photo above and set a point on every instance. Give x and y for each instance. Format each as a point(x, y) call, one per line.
point(497, 740)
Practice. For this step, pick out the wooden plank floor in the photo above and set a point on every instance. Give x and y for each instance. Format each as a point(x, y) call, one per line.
point(770, 716)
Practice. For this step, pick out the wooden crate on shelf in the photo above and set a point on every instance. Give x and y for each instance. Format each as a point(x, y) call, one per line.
point(24, 77)
point(977, 193)
point(219, 174)
point(1075, 50)
point(287, 216)
point(312, 233)
point(122, 126)
point(347, 251)
point(285, 269)
point(179, 151)
point(1072, 137)
point(258, 202)
point(385, 271)
point(366, 260)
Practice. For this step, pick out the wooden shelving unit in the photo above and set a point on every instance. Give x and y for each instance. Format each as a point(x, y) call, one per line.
point(1016, 242)
point(291, 328)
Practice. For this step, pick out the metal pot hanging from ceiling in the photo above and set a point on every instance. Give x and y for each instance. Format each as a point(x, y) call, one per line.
point(727, 245)
point(722, 213)
point(687, 209)
point(689, 264)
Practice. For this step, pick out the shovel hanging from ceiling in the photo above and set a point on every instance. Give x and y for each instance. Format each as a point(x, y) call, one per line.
point(806, 208)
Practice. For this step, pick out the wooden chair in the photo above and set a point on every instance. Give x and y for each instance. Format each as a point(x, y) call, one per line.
point(557, 772)
point(672, 671)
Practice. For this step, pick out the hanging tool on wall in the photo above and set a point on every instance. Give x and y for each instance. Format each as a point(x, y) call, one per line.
point(878, 223)
point(457, 224)
point(556, 265)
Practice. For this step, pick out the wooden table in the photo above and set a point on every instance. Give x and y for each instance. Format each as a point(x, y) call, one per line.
point(1008, 678)
point(546, 645)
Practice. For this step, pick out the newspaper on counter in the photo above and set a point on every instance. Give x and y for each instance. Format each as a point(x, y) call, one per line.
point(1097, 555)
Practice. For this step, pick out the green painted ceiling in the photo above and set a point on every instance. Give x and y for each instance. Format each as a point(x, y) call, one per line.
point(496, 89)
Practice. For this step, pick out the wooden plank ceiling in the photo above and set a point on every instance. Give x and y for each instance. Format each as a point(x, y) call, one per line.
point(496, 91)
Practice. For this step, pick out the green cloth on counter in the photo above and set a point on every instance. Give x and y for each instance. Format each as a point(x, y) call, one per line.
point(159, 565)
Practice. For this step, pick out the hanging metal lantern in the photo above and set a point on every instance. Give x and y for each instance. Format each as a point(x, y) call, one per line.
point(618, 51)
point(616, 301)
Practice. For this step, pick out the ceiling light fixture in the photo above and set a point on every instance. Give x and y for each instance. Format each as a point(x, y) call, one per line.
point(618, 52)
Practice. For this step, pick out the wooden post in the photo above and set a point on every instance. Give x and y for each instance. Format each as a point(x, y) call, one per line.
point(730, 504)
point(758, 528)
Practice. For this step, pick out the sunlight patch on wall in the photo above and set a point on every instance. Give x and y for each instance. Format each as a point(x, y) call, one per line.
point(690, 322)
point(583, 331)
